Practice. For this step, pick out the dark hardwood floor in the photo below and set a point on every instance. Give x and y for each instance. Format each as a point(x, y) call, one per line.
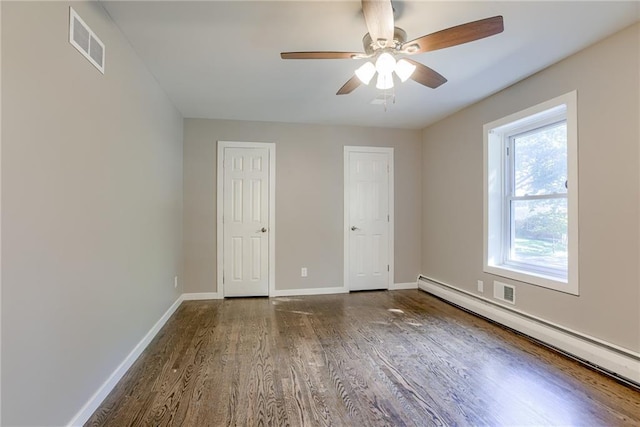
point(362, 359)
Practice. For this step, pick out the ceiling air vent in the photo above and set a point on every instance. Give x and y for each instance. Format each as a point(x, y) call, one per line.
point(504, 292)
point(85, 40)
point(382, 99)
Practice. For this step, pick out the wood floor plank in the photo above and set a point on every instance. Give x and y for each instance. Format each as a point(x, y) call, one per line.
point(400, 358)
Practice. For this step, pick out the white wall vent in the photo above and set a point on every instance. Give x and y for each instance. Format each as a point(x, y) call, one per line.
point(85, 40)
point(504, 292)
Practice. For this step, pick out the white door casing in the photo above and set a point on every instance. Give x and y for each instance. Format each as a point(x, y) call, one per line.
point(368, 223)
point(245, 218)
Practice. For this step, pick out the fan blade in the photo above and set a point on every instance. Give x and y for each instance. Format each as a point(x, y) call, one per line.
point(378, 15)
point(320, 55)
point(456, 35)
point(349, 86)
point(425, 75)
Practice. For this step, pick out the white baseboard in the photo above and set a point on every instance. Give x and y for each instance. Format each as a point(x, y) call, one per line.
point(398, 286)
point(311, 291)
point(616, 359)
point(92, 404)
point(201, 296)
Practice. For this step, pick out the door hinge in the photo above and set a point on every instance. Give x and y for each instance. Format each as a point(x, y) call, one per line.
point(388, 267)
point(387, 218)
point(507, 150)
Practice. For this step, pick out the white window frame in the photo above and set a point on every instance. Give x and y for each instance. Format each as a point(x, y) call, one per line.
point(495, 193)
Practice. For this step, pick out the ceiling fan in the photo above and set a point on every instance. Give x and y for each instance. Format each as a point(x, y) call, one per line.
point(384, 43)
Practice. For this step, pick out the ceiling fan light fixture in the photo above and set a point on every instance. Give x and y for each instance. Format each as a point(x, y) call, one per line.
point(366, 72)
point(404, 69)
point(385, 81)
point(386, 63)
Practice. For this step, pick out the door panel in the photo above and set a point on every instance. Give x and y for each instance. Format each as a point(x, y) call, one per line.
point(368, 204)
point(246, 222)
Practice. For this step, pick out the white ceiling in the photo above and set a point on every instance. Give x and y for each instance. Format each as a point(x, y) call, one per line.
point(220, 59)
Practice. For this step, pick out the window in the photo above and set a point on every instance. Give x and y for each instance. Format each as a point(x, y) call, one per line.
point(530, 194)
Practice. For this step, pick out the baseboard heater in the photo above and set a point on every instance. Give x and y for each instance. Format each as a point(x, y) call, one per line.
point(621, 364)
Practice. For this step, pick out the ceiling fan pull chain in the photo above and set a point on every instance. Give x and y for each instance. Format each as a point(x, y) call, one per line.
point(384, 94)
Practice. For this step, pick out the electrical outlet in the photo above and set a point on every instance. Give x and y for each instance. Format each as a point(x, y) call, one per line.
point(303, 272)
point(480, 286)
point(175, 282)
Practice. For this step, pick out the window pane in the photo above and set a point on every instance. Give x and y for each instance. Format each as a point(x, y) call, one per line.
point(540, 161)
point(539, 232)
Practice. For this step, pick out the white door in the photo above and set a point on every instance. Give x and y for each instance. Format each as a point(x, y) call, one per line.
point(246, 228)
point(368, 211)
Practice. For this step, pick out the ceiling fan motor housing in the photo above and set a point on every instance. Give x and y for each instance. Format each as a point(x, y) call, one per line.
point(371, 46)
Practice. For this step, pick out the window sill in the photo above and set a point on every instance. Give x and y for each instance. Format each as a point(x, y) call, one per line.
point(537, 279)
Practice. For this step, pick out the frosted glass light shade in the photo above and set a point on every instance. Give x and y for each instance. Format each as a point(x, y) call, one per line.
point(404, 69)
point(365, 72)
point(385, 81)
point(386, 63)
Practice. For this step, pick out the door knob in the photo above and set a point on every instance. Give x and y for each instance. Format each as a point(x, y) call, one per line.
point(264, 230)
point(354, 228)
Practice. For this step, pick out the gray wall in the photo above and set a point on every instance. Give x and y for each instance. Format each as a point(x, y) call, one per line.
point(309, 198)
point(606, 77)
point(91, 210)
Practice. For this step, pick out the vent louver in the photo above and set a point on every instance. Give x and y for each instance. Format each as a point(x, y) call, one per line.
point(508, 294)
point(96, 51)
point(504, 292)
point(85, 40)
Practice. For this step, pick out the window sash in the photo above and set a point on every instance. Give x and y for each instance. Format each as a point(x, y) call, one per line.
point(509, 233)
point(509, 197)
point(510, 142)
